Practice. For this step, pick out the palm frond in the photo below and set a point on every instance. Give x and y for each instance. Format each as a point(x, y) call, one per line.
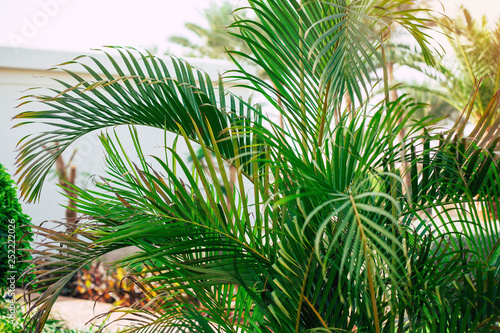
point(145, 93)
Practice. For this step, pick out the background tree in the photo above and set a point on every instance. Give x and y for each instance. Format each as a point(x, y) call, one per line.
point(475, 59)
point(66, 174)
point(217, 38)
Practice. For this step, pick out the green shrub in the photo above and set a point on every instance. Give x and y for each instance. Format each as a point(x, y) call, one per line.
point(11, 215)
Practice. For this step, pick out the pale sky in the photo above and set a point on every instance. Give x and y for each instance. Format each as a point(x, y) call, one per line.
point(478, 8)
point(77, 25)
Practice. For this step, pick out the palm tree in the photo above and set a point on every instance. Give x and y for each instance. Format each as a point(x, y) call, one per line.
point(319, 234)
point(217, 38)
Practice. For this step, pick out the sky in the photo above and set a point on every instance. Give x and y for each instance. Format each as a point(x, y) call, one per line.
point(478, 8)
point(77, 25)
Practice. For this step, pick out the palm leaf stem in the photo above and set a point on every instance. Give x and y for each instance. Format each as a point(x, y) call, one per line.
point(322, 123)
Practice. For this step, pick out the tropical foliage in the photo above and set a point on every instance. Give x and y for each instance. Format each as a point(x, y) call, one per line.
point(318, 233)
point(476, 58)
point(216, 39)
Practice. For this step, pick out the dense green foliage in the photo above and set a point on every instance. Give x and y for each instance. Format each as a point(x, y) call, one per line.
point(305, 227)
point(15, 231)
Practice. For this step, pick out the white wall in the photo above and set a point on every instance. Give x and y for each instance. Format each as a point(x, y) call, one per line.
point(21, 69)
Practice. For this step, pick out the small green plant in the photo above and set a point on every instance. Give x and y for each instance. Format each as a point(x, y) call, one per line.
point(14, 324)
point(15, 231)
point(10, 318)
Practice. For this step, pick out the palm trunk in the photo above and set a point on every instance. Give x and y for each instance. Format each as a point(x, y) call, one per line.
point(66, 181)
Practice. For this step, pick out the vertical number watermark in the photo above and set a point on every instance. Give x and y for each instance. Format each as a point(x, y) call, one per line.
point(12, 272)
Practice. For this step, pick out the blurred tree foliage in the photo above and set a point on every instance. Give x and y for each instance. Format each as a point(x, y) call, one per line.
point(475, 60)
point(215, 38)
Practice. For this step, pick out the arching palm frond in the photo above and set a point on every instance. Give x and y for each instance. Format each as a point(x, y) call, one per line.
point(143, 93)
